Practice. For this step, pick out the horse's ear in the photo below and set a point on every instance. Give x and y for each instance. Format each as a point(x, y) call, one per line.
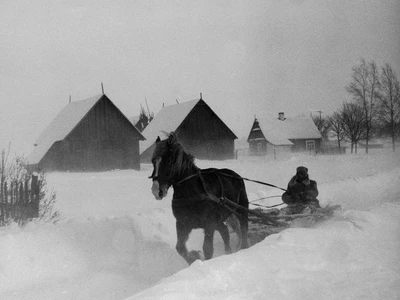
point(158, 139)
point(172, 138)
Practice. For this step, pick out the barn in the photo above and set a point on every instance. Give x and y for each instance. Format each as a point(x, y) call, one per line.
point(87, 135)
point(198, 128)
point(269, 135)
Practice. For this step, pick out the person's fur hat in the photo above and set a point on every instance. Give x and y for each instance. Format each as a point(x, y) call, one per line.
point(302, 169)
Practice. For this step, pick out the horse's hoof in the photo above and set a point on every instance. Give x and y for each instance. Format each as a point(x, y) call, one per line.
point(195, 255)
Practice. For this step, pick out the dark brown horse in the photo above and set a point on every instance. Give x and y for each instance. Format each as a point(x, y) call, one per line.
point(198, 199)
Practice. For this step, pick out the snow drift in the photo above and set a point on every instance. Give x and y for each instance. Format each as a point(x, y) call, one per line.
point(117, 242)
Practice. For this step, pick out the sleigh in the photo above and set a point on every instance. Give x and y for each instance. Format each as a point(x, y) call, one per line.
point(264, 222)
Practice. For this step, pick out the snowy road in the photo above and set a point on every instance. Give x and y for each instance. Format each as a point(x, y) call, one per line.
point(117, 242)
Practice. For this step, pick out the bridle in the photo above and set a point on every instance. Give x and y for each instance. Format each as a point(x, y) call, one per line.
point(156, 177)
point(166, 179)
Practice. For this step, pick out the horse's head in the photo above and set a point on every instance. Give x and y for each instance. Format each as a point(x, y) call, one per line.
point(168, 163)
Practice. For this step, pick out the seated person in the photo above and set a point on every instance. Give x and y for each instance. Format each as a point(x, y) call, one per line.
point(301, 194)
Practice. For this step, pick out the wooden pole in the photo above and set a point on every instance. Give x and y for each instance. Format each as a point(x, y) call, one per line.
point(265, 218)
point(1, 204)
point(6, 201)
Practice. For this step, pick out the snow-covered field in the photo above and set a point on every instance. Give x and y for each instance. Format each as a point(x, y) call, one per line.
point(117, 242)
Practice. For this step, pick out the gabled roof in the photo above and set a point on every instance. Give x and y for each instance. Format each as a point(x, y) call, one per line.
point(168, 119)
point(62, 125)
point(279, 132)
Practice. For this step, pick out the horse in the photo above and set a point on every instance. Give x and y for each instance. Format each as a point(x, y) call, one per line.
point(198, 197)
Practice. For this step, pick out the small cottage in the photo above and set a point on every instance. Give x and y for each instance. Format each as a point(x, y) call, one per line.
point(88, 135)
point(296, 134)
point(198, 128)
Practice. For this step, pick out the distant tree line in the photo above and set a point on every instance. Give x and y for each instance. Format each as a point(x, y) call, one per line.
point(373, 111)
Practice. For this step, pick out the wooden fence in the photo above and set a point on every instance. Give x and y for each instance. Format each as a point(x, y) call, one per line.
point(19, 200)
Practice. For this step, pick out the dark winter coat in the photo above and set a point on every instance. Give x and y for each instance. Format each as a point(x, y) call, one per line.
point(302, 193)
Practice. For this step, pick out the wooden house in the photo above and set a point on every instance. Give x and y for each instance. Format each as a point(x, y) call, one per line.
point(296, 134)
point(198, 128)
point(88, 135)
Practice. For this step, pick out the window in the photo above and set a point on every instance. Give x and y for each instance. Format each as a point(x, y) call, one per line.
point(310, 145)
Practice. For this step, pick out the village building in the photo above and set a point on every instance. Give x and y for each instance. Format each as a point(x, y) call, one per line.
point(198, 128)
point(87, 135)
point(271, 135)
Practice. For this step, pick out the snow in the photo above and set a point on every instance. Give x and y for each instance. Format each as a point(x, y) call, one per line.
point(167, 120)
point(116, 241)
point(279, 132)
point(61, 126)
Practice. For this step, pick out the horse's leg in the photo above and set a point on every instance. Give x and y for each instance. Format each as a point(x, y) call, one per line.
point(244, 227)
point(208, 245)
point(223, 230)
point(243, 219)
point(183, 232)
point(234, 223)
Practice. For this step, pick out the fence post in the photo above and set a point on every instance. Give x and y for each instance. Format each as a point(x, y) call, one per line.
point(1, 203)
point(11, 191)
point(21, 203)
point(26, 191)
point(6, 215)
point(35, 190)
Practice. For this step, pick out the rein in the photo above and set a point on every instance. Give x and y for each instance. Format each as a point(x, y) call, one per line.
point(222, 199)
point(232, 176)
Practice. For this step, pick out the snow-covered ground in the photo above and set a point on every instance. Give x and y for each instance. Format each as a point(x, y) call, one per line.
point(117, 242)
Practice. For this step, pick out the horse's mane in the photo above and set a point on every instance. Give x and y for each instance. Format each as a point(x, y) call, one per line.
point(180, 160)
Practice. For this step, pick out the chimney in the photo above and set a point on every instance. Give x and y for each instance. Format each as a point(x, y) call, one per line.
point(281, 116)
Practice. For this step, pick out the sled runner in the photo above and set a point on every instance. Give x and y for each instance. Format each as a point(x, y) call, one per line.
point(260, 226)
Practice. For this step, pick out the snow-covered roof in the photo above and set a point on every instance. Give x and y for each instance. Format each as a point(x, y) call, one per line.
point(61, 126)
point(134, 119)
point(168, 119)
point(279, 132)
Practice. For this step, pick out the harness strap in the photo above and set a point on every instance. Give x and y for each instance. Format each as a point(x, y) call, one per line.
point(221, 184)
point(228, 175)
point(203, 183)
point(256, 181)
point(187, 178)
point(270, 206)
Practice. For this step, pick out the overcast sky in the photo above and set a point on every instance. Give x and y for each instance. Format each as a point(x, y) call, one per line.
point(248, 58)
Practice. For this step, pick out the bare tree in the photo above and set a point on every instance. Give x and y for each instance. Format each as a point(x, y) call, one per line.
point(144, 119)
point(364, 90)
point(389, 104)
point(354, 127)
point(337, 128)
point(323, 125)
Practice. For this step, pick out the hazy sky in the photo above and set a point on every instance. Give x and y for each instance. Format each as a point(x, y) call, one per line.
point(248, 58)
